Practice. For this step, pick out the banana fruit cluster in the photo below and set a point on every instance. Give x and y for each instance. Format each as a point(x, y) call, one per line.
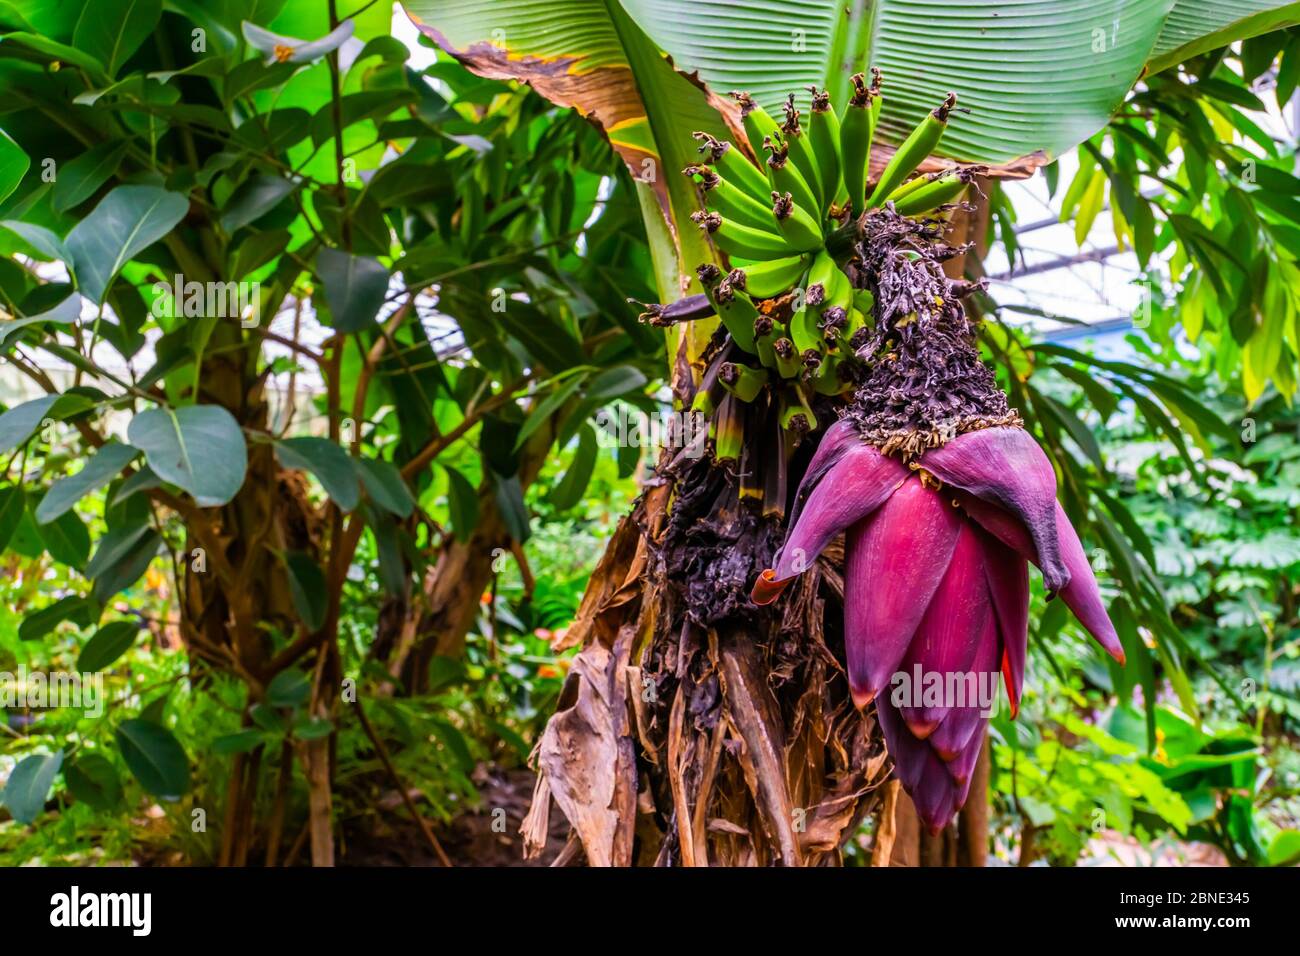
point(792, 315)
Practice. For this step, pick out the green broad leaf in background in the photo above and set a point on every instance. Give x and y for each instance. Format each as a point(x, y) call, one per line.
point(568, 491)
point(1198, 26)
point(355, 288)
point(384, 485)
point(122, 556)
point(200, 448)
point(108, 644)
point(1049, 91)
point(126, 221)
point(154, 757)
point(67, 539)
point(13, 165)
point(331, 465)
point(462, 503)
point(13, 502)
point(80, 178)
point(98, 471)
point(46, 243)
point(254, 198)
point(29, 784)
point(289, 688)
point(514, 512)
point(93, 780)
point(308, 589)
point(20, 422)
point(65, 313)
point(42, 621)
point(111, 30)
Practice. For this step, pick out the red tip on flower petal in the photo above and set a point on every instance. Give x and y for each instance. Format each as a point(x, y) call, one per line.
point(921, 729)
point(1013, 694)
point(767, 588)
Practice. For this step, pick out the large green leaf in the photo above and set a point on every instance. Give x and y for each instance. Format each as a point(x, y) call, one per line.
point(125, 222)
point(198, 447)
point(111, 30)
point(590, 55)
point(1039, 76)
point(1195, 26)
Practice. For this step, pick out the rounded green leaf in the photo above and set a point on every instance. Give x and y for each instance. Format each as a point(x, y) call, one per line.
point(29, 784)
point(154, 757)
point(109, 643)
point(199, 448)
point(94, 780)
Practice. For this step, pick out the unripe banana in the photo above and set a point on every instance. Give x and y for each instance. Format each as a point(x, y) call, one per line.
point(824, 131)
point(741, 240)
point(729, 436)
point(799, 144)
point(945, 189)
point(787, 359)
point(763, 338)
point(758, 122)
point(732, 165)
point(795, 224)
point(763, 280)
point(786, 178)
point(742, 381)
point(914, 151)
point(856, 134)
point(796, 417)
point(735, 309)
point(722, 197)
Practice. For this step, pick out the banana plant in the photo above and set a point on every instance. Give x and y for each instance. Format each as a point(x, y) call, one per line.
point(826, 229)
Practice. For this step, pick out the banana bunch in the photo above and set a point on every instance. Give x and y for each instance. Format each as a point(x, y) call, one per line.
point(787, 305)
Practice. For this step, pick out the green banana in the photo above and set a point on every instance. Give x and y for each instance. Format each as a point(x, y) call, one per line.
point(787, 359)
point(795, 224)
point(824, 130)
point(796, 417)
point(856, 134)
point(914, 151)
point(802, 154)
point(742, 381)
point(722, 197)
point(735, 309)
point(732, 165)
point(757, 121)
point(763, 280)
point(763, 337)
point(944, 189)
point(730, 429)
point(741, 240)
point(786, 178)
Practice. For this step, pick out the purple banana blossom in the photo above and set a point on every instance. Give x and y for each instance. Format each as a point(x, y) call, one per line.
point(936, 582)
